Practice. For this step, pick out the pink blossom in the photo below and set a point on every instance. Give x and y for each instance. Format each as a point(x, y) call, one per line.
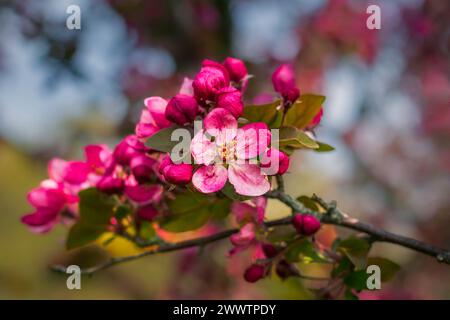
point(254, 273)
point(186, 87)
point(143, 167)
point(274, 161)
point(175, 173)
point(236, 69)
point(306, 224)
point(283, 80)
point(182, 109)
point(147, 212)
point(244, 237)
point(232, 148)
point(143, 193)
point(316, 120)
point(152, 118)
point(127, 149)
point(110, 185)
point(212, 77)
point(250, 212)
point(230, 99)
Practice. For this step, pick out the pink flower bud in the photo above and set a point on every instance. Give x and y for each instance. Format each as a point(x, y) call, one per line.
point(285, 270)
point(175, 173)
point(283, 80)
point(254, 273)
point(110, 185)
point(230, 99)
point(316, 120)
point(236, 68)
point(182, 109)
point(143, 167)
point(269, 250)
point(178, 173)
point(211, 78)
point(306, 224)
point(269, 159)
point(147, 212)
point(127, 149)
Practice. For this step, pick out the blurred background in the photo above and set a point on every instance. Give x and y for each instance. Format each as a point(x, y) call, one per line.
point(387, 113)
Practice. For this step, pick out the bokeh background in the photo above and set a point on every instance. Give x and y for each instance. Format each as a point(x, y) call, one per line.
point(387, 113)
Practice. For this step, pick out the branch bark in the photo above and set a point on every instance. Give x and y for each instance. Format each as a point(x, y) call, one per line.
point(331, 215)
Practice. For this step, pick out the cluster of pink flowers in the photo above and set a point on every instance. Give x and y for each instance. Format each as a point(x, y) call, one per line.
point(222, 150)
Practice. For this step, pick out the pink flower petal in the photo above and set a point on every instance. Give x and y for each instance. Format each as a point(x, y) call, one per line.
point(56, 169)
point(252, 140)
point(243, 212)
point(40, 221)
point(98, 156)
point(186, 87)
point(245, 236)
point(43, 198)
point(248, 180)
point(144, 193)
point(209, 179)
point(221, 124)
point(157, 108)
point(202, 149)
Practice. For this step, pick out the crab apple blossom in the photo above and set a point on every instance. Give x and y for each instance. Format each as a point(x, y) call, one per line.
point(111, 185)
point(274, 161)
point(153, 117)
point(254, 273)
point(175, 173)
point(236, 69)
point(143, 167)
point(182, 109)
point(232, 147)
point(212, 77)
point(147, 212)
point(283, 80)
point(230, 98)
point(127, 149)
point(306, 224)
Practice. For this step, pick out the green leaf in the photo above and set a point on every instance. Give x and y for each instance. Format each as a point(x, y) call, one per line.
point(344, 265)
point(356, 249)
point(189, 211)
point(162, 140)
point(323, 147)
point(357, 280)
point(146, 230)
point(96, 208)
point(220, 208)
point(303, 251)
point(187, 221)
point(282, 234)
point(304, 110)
point(122, 212)
point(292, 137)
point(388, 268)
point(269, 113)
point(349, 295)
point(308, 202)
point(81, 234)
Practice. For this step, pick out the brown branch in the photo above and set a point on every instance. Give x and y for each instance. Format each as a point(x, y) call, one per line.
point(331, 216)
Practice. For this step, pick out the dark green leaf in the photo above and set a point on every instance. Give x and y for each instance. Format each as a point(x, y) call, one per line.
point(282, 233)
point(187, 221)
point(146, 230)
point(344, 266)
point(220, 208)
point(357, 280)
point(122, 212)
point(162, 140)
point(349, 295)
point(80, 235)
point(304, 110)
point(96, 208)
point(323, 147)
point(356, 249)
point(303, 251)
point(294, 138)
point(268, 113)
point(388, 268)
point(308, 202)
point(189, 211)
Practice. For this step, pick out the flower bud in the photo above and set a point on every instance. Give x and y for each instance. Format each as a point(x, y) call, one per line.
point(147, 212)
point(211, 78)
point(182, 109)
point(127, 149)
point(316, 120)
point(236, 68)
point(283, 80)
point(110, 185)
point(306, 224)
point(142, 167)
point(178, 173)
point(230, 99)
point(254, 273)
point(269, 159)
point(285, 269)
point(269, 250)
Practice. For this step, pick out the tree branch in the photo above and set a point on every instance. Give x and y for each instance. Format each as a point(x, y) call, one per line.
point(331, 216)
